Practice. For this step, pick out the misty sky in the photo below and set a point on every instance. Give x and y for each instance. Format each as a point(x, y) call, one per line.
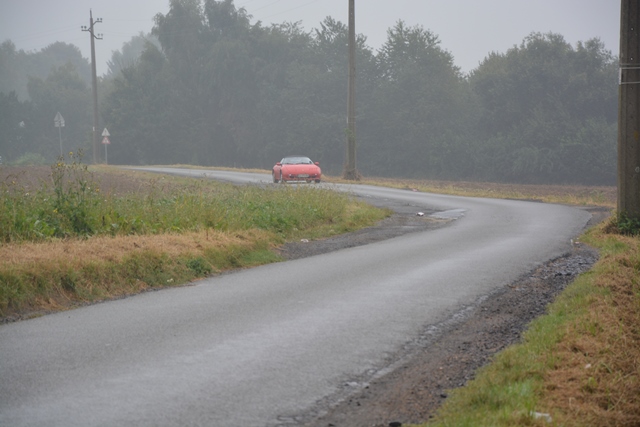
point(469, 29)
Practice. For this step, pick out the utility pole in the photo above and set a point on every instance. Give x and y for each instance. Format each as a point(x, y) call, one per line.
point(94, 81)
point(628, 111)
point(350, 171)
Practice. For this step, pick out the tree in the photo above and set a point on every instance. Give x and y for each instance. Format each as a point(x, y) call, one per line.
point(16, 127)
point(537, 100)
point(66, 92)
point(17, 66)
point(12, 78)
point(314, 94)
point(130, 53)
point(221, 91)
point(421, 110)
point(139, 115)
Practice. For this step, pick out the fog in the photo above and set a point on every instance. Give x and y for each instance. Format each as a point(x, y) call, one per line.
point(449, 97)
point(469, 29)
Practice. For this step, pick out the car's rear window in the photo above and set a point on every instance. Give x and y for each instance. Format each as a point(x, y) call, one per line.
point(297, 161)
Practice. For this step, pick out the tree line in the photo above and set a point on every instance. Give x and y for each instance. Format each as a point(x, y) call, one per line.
point(207, 87)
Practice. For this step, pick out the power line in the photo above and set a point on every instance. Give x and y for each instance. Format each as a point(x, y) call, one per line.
point(294, 8)
point(45, 33)
point(242, 5)
point(266, 6)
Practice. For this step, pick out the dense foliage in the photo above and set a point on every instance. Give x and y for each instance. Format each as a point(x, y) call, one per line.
point(208, 87)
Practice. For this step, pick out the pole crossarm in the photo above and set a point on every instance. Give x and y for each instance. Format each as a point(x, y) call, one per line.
point(91, 25)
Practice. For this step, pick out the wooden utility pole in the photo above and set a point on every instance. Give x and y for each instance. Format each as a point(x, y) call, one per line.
point(350, 171)
point(629, 111)
point(94, 81)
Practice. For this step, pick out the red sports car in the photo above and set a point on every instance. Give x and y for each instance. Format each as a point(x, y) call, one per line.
point(296, 168)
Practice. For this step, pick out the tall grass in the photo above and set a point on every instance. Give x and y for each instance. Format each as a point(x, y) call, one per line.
point(72, 205)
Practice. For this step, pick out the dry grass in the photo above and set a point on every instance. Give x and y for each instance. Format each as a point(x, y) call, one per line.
point(596, 380)
point(58, 275)
point(75, 252)
point(566, 194)
point(579, 365)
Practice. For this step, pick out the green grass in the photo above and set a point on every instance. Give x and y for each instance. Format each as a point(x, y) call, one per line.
point(507, 392)
point(74, 206)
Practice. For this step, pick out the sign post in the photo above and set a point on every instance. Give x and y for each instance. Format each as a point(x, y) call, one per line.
point(58, 121)
point(105, 142)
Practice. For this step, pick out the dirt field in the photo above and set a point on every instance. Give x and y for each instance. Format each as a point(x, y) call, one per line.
point(114, 181)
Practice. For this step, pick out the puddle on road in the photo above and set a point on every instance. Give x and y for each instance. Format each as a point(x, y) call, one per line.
point(451, 214)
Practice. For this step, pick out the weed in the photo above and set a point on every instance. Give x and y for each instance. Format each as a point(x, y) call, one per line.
point(199, 266)
point(74, 197)
point(627, 225)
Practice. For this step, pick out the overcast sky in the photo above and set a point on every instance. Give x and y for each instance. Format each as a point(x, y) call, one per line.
point(469, 29)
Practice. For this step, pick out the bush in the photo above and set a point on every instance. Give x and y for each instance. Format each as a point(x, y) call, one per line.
point(626, 225)
point(30, 159)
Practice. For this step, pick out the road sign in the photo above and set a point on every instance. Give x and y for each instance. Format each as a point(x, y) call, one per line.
point(105, 132)
point(105, 140)
point(58, 120)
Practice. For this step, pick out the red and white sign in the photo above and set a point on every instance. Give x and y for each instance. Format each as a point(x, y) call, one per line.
point(105, 140)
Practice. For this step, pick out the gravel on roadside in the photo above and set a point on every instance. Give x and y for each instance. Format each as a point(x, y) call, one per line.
point(413, 384)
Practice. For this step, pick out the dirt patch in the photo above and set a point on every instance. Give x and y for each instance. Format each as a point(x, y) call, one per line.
point(407, 219)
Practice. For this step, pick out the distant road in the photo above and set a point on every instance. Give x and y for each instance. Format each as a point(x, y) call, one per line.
point(259, 346)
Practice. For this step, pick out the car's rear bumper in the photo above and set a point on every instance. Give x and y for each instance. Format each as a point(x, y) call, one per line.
point(294, 180)
point(301, 178)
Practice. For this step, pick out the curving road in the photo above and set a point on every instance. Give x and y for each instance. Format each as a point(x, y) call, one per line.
point(256, 347)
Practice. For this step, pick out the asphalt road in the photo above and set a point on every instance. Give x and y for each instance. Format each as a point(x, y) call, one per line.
point(260, 346)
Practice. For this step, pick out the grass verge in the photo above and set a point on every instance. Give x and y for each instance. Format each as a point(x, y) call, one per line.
point(579, 365)
point(49, 276)
point(73, 237)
